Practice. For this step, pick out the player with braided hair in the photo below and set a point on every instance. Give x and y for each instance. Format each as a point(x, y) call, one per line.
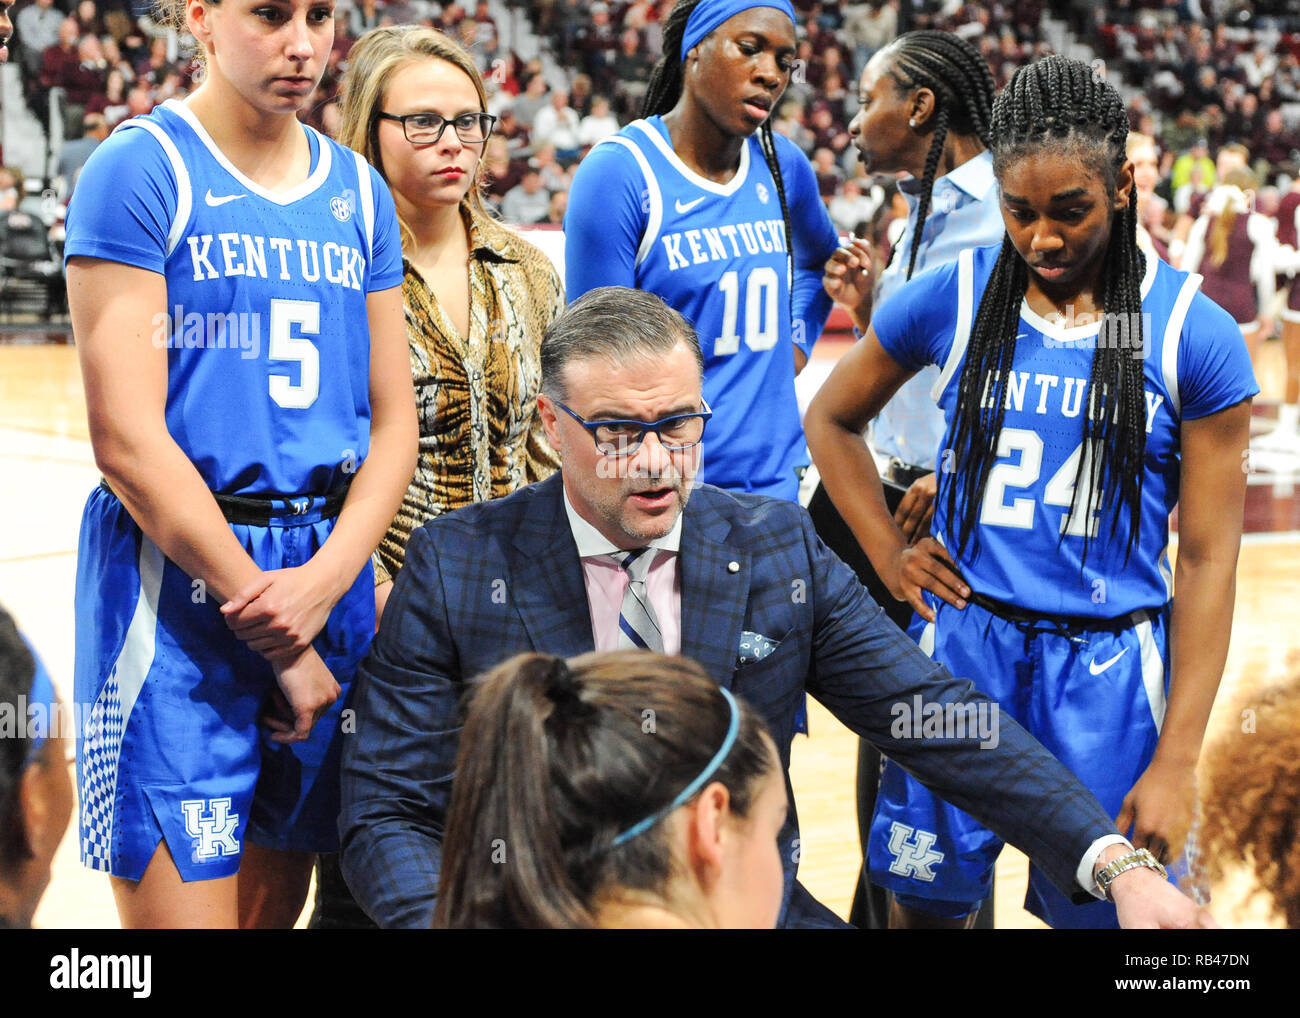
point(701, 203)
point(1087, 389)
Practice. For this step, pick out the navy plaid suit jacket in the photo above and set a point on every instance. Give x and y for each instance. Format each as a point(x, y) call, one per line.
point(503, 577)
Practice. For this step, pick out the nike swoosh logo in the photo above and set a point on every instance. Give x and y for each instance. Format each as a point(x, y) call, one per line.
point(1097, 669)
point(214, 201)
point(688, 205)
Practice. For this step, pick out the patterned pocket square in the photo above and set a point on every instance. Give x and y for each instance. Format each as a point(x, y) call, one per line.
point(754, 647)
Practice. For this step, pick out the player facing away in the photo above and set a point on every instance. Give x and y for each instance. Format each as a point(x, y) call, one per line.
point(701, 203)
point(1087, 388)
point(234, 281)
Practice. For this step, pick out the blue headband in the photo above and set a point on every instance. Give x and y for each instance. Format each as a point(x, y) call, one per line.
point(42, 693)
point(709, 14)
point(733, 729)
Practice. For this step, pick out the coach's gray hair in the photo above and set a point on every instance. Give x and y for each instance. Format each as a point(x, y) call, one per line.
point(615, 323)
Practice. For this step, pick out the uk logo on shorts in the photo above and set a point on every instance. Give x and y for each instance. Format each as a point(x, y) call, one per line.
point(213, 833)
point(912, 852)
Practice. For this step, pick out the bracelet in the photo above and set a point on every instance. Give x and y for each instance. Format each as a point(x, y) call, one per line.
point(1137, 858)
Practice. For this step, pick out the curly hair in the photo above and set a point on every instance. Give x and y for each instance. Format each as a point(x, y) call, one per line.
point(1250, 803)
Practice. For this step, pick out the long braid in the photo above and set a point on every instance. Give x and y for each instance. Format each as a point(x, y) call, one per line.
point(963, 88)
point(927, 183)
point(767, 141)
point(665, 89)
point(1061, 104)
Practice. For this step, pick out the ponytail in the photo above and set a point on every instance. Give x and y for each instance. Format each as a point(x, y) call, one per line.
point(556, 762)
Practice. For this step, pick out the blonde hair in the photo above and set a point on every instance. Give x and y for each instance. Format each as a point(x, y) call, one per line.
point(372, 62)
point(1242, 179)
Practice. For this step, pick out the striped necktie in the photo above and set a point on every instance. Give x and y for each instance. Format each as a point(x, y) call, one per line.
point(637, 625)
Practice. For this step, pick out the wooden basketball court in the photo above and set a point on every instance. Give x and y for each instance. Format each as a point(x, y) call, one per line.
point(46, 462)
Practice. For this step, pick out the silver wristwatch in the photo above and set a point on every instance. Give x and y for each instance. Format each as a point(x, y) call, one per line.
point(1130, 861)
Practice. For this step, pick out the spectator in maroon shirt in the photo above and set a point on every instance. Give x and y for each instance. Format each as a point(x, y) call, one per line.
point(829, 177)
point(1275, 142)
point(596, 44)
point(61, 55)
point(516, 135)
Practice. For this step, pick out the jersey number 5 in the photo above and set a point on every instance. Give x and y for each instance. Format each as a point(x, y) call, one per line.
point(1059, 491)
point(285, 346)
point(761, 287)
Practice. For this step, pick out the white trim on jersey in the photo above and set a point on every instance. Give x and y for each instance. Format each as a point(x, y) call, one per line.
point(656, 201)
point(1166, 574)
point(712, 186)
point(1153, 671)
point(925, 642)
point(184, 190)
point(1063, 334)
point(1173, 336)
point(313, 181)
point(367, 198)
point(138, 646)
point(965, 318)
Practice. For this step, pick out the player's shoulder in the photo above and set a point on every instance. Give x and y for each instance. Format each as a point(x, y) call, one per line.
point(345, 158)
point(141, 137)
point(619, 151)
point(787, 152)
point(1166, 289)
point(946, 277)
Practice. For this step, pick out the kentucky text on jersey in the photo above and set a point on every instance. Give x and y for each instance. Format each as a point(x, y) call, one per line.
point(241, 254)
point(1057, 394)
point(722, 243)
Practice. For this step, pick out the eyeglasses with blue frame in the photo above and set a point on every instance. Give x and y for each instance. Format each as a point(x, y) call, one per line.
point(623, 438)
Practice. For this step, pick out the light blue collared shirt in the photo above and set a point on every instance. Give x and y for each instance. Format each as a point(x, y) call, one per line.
point(964, 213)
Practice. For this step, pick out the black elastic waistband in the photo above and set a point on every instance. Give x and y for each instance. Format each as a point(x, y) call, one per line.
point(1066, 624)
point(265, 510)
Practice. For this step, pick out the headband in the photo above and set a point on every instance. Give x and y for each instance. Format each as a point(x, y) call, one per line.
point(709, 14)
point(42, 694)
point(733, 729)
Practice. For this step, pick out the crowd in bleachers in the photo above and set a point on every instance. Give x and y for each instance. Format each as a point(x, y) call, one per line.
point(1204, 73)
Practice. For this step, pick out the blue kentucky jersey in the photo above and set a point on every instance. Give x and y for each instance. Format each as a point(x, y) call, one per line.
point(265, 325)
point(718, 254)
point(1030, 545)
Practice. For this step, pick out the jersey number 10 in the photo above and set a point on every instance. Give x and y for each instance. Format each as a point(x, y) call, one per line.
point(761, 288)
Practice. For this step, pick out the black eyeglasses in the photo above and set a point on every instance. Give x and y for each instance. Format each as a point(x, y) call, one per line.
point(427, 128)
point(624, 438)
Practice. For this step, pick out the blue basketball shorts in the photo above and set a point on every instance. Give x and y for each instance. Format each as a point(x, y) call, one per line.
point(172, 748)
point(1094, 697)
